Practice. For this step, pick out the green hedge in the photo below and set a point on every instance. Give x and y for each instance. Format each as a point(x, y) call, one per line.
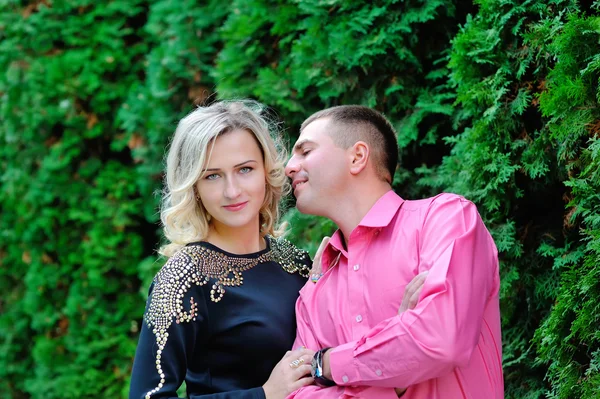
point(497, 100)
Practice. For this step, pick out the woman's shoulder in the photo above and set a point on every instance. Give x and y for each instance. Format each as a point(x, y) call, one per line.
point(291, 258)
point(179, 277)
point(183, 266)
point(191, 266)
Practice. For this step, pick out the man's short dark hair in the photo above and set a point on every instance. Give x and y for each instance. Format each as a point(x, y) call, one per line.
point(352, 123)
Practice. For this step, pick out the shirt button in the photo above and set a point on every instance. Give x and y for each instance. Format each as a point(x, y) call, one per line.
point(356, 267)
point(358, 318)
point(345, 378)
point(378, 372)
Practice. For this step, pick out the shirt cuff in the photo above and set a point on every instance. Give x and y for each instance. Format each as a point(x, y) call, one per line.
point(342, 364)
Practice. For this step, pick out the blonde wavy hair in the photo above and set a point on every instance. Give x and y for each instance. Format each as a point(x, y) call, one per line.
point(184, 218)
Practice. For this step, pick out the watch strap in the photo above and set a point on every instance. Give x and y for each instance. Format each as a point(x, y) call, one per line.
point(317, 369)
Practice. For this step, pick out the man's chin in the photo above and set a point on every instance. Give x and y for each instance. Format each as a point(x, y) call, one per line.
point(305, 207)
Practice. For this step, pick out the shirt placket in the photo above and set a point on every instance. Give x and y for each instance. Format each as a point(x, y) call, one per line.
point(357, 287)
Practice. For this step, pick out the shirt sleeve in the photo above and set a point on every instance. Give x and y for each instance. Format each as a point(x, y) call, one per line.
point(306, 338)
point(304, 334)
point(444, 328)
point(159, 373)
point(340, 392)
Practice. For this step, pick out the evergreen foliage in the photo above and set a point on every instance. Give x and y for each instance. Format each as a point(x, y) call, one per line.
point(496, 100)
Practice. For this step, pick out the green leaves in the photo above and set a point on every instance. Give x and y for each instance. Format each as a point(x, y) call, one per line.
point(71, 207)
point(495, 100)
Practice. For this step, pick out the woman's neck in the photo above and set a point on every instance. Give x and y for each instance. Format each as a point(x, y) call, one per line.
point(237, 240)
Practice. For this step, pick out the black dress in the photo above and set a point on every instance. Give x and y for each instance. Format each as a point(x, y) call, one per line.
point(219, 321)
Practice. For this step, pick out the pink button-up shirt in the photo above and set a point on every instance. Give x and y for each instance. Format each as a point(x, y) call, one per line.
point(449, 346)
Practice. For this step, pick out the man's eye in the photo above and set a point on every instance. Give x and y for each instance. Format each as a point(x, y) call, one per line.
point(213, 176)
point(245, 170)
point(305, 152)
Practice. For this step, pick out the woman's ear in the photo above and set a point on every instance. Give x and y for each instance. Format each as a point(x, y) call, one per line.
point(359, 157)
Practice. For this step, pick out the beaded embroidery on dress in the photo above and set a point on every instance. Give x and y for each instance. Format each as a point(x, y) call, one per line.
point(197, 265)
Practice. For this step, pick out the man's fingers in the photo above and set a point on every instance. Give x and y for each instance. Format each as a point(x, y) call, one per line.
point(414, 299)
point(415, 283)
point(412, 292)
point(419, 279)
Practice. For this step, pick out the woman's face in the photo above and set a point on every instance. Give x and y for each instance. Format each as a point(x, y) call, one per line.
point(233, 186)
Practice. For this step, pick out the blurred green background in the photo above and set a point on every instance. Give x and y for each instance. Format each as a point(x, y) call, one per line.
point(497, 100)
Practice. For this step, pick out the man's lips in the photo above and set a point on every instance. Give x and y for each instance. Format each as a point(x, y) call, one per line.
point(236, 207)
point(298, 183)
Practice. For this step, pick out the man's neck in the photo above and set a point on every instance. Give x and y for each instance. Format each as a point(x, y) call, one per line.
point(354, 207)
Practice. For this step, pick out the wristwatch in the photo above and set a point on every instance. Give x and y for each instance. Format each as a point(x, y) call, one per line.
point(317, 369)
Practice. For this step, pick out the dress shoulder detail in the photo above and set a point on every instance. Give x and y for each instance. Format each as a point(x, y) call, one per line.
point(173, 299)
point(291, 258)
point(166, 303)
point(190, 266)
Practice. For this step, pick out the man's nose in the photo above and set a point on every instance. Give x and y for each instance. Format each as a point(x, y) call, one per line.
point(292, 167)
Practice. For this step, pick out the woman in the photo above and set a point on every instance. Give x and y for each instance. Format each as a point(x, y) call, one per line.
point(220, 312)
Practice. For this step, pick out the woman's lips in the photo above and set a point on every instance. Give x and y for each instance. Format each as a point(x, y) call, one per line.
point(236, 207)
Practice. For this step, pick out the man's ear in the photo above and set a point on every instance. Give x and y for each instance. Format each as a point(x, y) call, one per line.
point(359, 157)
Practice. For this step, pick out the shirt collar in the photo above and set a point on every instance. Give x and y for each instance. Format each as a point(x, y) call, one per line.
point(335, 244)
point(380, 215)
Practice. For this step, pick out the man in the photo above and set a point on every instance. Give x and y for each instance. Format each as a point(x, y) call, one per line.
point(449, 345)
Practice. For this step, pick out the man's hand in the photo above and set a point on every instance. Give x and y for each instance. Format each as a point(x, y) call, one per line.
point(412, 292)
point(409, 301)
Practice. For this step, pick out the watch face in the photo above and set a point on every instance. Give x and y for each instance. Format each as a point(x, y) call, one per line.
point(313, 366)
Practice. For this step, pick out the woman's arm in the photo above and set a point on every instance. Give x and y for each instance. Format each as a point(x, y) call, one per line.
point(175, 335)
point(167, 344)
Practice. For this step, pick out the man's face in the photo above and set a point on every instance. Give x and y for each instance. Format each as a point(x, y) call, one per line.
point(318, 169)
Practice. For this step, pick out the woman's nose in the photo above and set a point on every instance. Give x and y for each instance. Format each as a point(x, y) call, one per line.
point(232, 189)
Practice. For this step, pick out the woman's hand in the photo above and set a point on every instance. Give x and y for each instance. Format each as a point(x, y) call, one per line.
point(317, 268)
point(291, 373)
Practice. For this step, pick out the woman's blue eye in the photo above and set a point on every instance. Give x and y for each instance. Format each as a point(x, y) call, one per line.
point(214, 176)
point(245, 169)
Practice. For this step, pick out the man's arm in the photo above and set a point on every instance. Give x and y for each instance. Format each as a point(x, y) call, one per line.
point(443, 330)
point(409, 301)
point(335, 392)
point(304, 334)
point(306, 338)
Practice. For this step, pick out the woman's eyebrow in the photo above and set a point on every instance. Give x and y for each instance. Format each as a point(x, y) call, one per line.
point(235, 166)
